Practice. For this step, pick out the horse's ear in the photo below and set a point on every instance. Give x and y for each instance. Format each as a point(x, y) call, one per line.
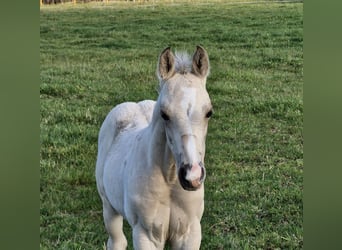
point(200, 62)
point(166, 64)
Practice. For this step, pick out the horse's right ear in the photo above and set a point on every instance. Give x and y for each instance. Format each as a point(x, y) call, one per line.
point(166, 65)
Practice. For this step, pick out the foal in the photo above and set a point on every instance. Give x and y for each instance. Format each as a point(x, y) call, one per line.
point(150, 164)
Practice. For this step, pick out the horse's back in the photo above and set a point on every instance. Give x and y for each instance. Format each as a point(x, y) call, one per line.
point(129, 115)
point(123, 117)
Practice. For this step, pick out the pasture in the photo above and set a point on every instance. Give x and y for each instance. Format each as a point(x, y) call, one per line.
point(93, 57)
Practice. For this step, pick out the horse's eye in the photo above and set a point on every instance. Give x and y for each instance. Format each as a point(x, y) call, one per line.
point(164, 116)
point(209, 114)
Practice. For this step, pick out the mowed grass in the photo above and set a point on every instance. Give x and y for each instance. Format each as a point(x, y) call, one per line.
point(93, 58)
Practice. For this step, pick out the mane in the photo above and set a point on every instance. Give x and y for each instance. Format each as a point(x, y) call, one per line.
point(183, 62)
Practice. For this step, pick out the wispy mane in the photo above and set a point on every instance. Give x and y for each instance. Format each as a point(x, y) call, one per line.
point(183, 62)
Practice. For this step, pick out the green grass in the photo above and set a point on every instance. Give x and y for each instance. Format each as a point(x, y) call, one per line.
point(93, 58)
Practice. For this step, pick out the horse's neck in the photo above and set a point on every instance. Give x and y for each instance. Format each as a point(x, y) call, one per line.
point(159, 153)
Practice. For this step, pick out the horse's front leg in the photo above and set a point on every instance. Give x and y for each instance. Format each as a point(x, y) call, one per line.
point(190, 240)
point(145, 240)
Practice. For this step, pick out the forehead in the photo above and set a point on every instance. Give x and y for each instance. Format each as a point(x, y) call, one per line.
point(184, 90)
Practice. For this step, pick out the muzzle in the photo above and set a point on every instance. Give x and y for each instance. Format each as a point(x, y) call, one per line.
point(192, 176)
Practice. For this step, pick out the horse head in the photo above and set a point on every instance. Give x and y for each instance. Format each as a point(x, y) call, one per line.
point(184, 107)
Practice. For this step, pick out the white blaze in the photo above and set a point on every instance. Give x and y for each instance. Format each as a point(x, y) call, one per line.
point(190, 149)
point(189, 99)
point(188, 103)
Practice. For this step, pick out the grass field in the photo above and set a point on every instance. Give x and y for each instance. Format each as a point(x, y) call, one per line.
point(94, 57)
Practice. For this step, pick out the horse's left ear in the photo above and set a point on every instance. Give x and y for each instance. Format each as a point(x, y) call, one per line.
point(200, 63)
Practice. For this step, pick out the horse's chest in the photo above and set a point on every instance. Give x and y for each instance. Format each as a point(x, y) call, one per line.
point(179, 220)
